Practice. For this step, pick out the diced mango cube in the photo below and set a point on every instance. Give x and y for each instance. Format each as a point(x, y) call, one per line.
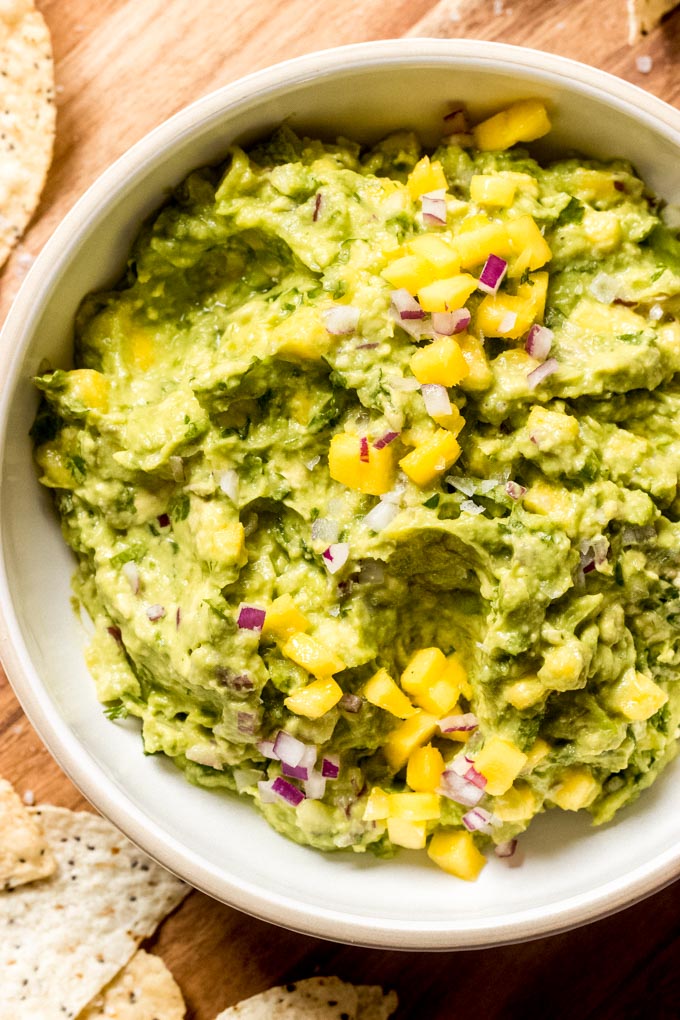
point(447, 295)
point(441, 362)
point(516, 804)
point(56, 474)
point(415, 807)
point(412, 835)
point(500, 762)
point(424, 769)
point(410, 271)
point(544, 498)
point(303, 335)
point(309, 653)
point(315, 699)
point(140, 349)
point(382, 691)
point(602, 229)
point(426, 680)
point(504, 315)
point(425, 177)
point(490, 189)
point(431, 458)
point(522, 122)
point(551, 429)
point(436, 251)
point(536, 753)
point(218, 537)
point(284, 618)
point(563, 667)
point(577, 789)
point(456, 673)
point(454, 422)
point(412, 733)
point(456, 852)
point(377, 806)
point(90, 387)
point(636, 696)
point(474, 246)
point(594, 186)
point(479, 375)
point(535, 292)
point(525, 692)
point(373, 475)
point(529, 248)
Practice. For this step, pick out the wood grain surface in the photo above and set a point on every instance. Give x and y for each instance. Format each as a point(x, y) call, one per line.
point(122, 67)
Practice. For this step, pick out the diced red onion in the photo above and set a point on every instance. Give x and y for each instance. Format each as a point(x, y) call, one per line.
point(508, 322)
point(286, 791)
point(176, 465)
point(266, 749)
point(506, 849)
point(367, 347)
point(459, 723)
point(515, 490)
point(130, 572)
point(436, 399)
point(330, 766)
point(245, 722)
point(385, 440)
point(163, 521)
point(539, 341)
point(325, 530)
point(341, 319)
point(336, 556)
point(363, 449)
point(288, 748)
point(309, 756)
point(295, 771)
point(250, 617)
point(350, 703)
point(478, 820)
point(433, 204)
point(486, 485)
point(229, 484)
point(317, 207)
point(266, 791)
point(655, 313)
point(537, 375)
point(178, 616)
point(405, 305)
point(461, 763)
point(315, 786)
point(492, 274)
point(380, 516)
point(116, 634)
point(459, 790)
point(155, 612)
point(475, 777)
point(449, 323)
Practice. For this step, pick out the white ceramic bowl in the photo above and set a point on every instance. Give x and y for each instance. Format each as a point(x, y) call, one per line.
point(572, 873)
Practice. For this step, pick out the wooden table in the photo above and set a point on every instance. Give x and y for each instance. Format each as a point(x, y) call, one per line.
point(122, 67)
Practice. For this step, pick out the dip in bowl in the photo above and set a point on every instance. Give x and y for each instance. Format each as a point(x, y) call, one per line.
point(215, 842)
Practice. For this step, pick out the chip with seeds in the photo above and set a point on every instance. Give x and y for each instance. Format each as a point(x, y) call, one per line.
point(24, 854)
point(644, 15)
point(143, 990)
point(64, 939)
point(27, 116)
point(319, 998)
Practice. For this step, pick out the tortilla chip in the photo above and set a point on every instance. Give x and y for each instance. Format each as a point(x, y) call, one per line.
point(644, 15)
point(27, 116)
point(321, 998)
point(24, 854)
point(64, 939)
point(143, 990)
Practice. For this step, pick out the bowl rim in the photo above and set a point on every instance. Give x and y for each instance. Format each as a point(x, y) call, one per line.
point(348, 927)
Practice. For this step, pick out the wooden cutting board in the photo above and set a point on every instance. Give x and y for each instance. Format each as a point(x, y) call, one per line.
point(122, 67)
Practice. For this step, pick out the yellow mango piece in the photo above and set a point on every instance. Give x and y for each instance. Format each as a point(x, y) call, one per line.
point(284, 618)
point(594, 186)
point(523, 182)
point(602, 230)
point(382, 691)
point(309, 653)
point(447, 295)
point(441, 362)
point(424, 769)
point(415, 807)
point(377, 806)
point(522, 122)
point(457, 674)
point(504, 315)
point(431, 458)
point(218, 537)
point(536, 753)
point(500, 762)
point(425, 177)
point(490, 189)
point(535, 292)
point(516, 804)
point(577, 789)
point(411, 272)
point(412, 835)
point(563, 666)
point(453, 422)
point(530, 249)
point(474, 246)
point(373, 476)
point(637, 697)
point(524, 693)
point(140, 349)
point(303, 335)
point(455, 851)
point(543, 498)
point(412, 733)
point(55, 471)
point(551, 429)
point(315, 699)
point(479, 375)
point(425, 679)
point(436, 251)
point(90, 387)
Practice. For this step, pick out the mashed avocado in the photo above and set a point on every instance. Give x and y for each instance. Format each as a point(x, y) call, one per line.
point(400, 574)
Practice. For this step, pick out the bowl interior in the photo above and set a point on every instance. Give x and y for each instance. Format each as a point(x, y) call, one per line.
point(571, 872)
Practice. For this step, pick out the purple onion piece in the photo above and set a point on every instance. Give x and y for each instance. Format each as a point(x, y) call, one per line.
point(363, 449)
point(295, 771)
point(350, 703)
point(317, 207)
point(492, 274)
point(155, 612)
point(287, 791)
point(459, 723)
point(539, 341)
point(537, 375)
point(515, 490)
point(245, 722)
point(250, 617)
point(475, 777)
point(330, 767)
point(458, 789)
point(288, 748)
point(385, 440)
point(506, 849)
point(340, 320)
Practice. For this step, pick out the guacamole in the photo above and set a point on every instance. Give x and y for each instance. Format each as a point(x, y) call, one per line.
point(370, 466)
